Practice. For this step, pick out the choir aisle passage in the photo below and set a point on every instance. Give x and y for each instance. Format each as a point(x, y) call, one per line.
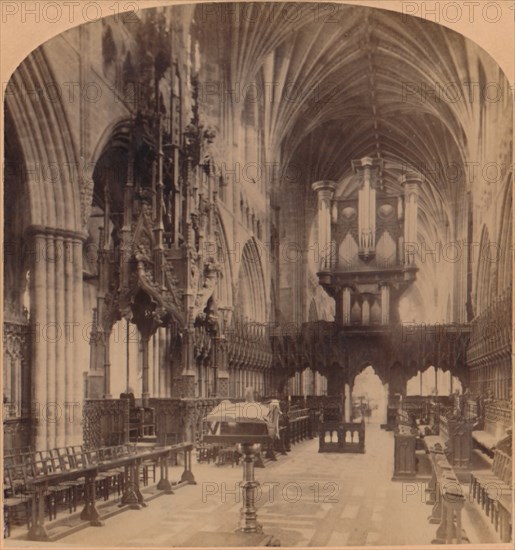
point(307, 499)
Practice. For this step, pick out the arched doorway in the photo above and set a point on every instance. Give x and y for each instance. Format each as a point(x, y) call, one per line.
point(369, 397)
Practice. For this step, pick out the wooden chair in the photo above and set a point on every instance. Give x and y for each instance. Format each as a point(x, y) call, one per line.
point(63, 493)
point(103, 479)
point(68, 463)
point(115, 477)
point(16, 500)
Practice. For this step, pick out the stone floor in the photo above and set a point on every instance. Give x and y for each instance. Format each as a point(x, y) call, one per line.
point(308, 499)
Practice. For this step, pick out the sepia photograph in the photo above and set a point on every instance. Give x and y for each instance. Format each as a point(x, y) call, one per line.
point(257, 274)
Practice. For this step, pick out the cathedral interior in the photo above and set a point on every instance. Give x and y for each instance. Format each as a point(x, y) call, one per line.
point(308, 209)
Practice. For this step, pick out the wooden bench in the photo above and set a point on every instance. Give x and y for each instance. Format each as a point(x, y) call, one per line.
point(446, 497)
point(38, 484)
point(493, 490)
point(21, 470)
point(95, 465)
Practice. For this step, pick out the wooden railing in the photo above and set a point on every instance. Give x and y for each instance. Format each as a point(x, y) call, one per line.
point(299, 425)
point(319, 406)
point(341, 437)
point(294, 426)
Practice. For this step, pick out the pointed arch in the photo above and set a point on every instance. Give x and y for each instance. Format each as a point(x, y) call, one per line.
point(483, 278)
point(313, 311)
point(251, 300)
point(57, 187)
point(504, 274)
point(224, 288)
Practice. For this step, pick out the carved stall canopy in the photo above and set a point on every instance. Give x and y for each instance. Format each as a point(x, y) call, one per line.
point(324, 346)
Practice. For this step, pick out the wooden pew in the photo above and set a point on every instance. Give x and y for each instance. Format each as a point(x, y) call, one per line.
point(493, 490)
point(299, 424)
point(446, 497)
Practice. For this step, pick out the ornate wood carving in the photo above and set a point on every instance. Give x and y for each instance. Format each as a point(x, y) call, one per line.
point(105, 422)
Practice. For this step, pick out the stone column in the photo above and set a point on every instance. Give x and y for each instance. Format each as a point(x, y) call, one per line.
point(325, 191)
point(348, 404)
point(38, 311)
point(155, 364)
point(50, 331)
point(60, 320)
point(75, 382)
point(145, 394)
point(164, 361)
point(56, 308)
point(74, 335)
point(107, 364)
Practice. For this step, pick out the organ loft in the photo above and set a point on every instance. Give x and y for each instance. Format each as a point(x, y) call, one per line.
point(258, 245)
point(370, 235)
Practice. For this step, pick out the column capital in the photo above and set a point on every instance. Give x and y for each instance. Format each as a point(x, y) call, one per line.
point(367, 162)
point(322, 186)
point(70, 234)
point(411, 178)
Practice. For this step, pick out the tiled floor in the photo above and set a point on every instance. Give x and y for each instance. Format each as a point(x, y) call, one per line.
point(307, 499)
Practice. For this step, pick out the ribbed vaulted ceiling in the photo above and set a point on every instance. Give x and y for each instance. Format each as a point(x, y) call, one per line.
point(357, 81)
point(352, 81)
